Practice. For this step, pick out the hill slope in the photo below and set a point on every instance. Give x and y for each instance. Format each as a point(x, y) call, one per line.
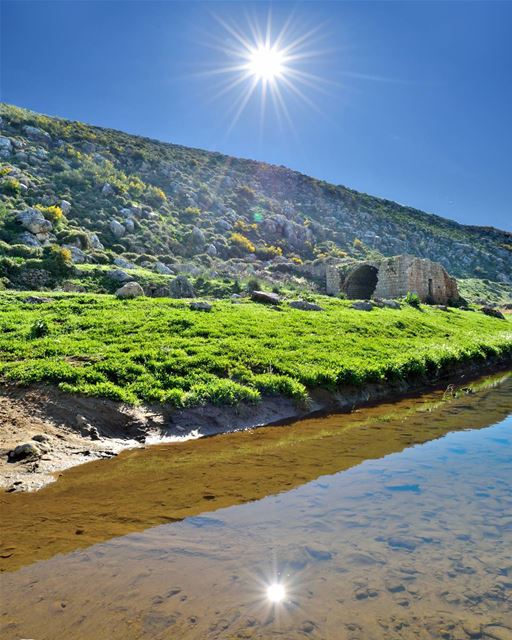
point(107, 197)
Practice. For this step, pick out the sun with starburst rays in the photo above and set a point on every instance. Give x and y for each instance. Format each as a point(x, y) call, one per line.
point(266, 61)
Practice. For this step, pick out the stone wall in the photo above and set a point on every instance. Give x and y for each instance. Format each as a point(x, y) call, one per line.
point(332, 280)
point(395, 278)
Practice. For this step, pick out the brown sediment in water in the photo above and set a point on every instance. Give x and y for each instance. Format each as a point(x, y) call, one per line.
point(59, 417)
point(168, 482)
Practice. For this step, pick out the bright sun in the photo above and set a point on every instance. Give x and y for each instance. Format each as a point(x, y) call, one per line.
point(268, 62)
point(276, 592)
point(265, 62)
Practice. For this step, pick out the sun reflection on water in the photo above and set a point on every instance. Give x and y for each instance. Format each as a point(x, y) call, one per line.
point(276, 592)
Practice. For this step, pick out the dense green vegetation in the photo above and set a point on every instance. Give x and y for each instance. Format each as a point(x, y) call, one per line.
point(147, 350)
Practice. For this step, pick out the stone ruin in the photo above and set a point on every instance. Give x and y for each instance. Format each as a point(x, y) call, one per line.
point(393, 278)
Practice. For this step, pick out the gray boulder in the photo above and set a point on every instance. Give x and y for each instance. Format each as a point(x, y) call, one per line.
point(200, 306)
point(362, 305)
point(77, 255)
point(303, 305)
point(181, 287)
point(28, 238)
point(211, 250)
point(41, 437)
point(223, 225)
point(37, 134)
point(119, 275)
point(265, 297)
point(130, 290)
point(129, 225)
point(493, 313)
point(25, 451)
point(107, 189)
point(117, 229)
point(124, 264)
point(198, 238)
point(5, 147)
point(391, 304)
point(95, 242)
point(162, 268)
point(37, 300)
point(65, 206)
point(34, 221)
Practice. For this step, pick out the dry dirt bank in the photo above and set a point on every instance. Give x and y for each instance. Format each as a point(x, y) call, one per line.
point(64, 430)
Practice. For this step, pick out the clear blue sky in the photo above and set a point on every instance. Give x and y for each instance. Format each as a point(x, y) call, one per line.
point(415, 102)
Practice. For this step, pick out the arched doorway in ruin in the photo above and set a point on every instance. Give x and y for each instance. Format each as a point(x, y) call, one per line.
point(361, 283)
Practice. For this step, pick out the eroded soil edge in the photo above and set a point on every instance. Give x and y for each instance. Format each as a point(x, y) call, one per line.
point(70, 430)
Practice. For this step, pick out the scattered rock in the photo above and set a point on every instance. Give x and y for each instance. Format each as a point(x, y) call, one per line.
point(318, 554)
point(494, 313)
point(77, 255)
point(303, 305)
point(265, 298)
point(95, 242)
point(17, 486)
point(25, 451)
point(130, 290)
point(65, 206)
point(119, 276)
point(198, 238)
point(472, 629)
point(407, 544)
point(394, 586)
point(29, 239)
point(391, 304)
point(117, 229)
point(498, 632)
point(34, 133)
point(200, 306)
point(41, 437)
point(107, 189)
point(181, 287)
point(34, 221)
point(36, 300)
point(162, 268)
point(124, 264)
point(5, 147)
point(362, 305)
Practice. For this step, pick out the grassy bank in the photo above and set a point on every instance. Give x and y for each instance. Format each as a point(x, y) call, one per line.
point(158, 350)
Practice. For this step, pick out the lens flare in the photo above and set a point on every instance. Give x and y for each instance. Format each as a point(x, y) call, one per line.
point(276, 592)
point(265, 62)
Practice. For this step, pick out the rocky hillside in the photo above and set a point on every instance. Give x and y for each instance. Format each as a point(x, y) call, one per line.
point(79, 202)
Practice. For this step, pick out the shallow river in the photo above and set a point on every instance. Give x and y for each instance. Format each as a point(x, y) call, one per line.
point(391, 522)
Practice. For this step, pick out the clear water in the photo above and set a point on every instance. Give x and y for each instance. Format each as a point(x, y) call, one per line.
point(417, 544)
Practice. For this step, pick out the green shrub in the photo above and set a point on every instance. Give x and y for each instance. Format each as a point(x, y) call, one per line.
point(57, 260)
point(39, 329)
point(253, 285)
point(412, 299)
point(10, 186)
